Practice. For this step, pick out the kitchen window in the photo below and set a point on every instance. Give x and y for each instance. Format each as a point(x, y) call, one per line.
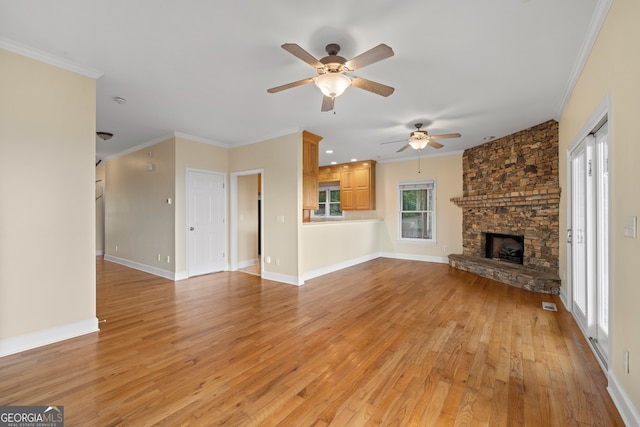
point(328, 204)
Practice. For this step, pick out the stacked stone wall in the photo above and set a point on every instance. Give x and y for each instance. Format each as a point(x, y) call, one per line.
point(510, 186)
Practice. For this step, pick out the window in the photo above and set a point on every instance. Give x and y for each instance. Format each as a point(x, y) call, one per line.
point(328, 204)
point(417, 210)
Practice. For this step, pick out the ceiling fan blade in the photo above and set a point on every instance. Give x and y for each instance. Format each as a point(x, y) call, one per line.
point(434, 144)
point(378, 53)
point(403, 148)
point(446, 135)
point(302, 54)
point(327, 103)
point(371, 86)
point(394, 142)
point(290, 85)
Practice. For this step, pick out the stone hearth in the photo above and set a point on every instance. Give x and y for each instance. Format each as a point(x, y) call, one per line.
point(510, 186)
point(509, 273)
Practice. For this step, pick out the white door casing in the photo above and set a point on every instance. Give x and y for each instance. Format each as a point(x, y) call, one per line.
point(588, 237)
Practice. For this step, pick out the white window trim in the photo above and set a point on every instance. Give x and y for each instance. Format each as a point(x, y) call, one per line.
point(401, 186)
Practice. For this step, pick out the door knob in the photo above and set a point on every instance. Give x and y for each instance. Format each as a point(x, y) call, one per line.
point(191, 228)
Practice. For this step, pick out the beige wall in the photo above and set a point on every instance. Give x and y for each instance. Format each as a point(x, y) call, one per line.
point(613, 69)
point(193, 155)
point(47, 188)
point(139, 223)
point(328, 246)
point(281, 160)
point(447, 171)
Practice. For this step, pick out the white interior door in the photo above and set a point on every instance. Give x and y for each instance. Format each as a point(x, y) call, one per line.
point(589, 238)
point(206, 237)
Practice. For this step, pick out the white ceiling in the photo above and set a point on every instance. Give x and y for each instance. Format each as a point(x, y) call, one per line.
point(202, 68)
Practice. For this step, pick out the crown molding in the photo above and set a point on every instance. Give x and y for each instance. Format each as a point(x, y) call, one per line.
point(39, 55)
point(597, 20)
point(267, 137)
point(199, 139)
point(139, 147)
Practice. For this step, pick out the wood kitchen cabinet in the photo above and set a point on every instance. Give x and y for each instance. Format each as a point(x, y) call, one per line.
point(358, 185)
point(329, 173)
point(310, 146)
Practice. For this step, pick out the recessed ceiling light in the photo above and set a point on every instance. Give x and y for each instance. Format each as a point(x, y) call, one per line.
point(334, 163)
point(329, 151)
point(354, 160)
point(488, 138)
point(119, 100)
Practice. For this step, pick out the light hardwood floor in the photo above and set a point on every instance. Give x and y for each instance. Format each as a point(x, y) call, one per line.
point(387, 342)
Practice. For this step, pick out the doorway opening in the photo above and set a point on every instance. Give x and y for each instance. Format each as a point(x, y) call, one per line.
point(246, 221)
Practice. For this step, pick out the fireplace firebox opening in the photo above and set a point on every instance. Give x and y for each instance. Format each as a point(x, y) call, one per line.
point(505, 247)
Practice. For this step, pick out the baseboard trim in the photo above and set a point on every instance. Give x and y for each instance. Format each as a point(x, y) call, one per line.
point(563, 298)
point(339, 266)
point(350, 263)
point(412, 257)
point(248, 263)
point(283, 278)
point(142, 267)
point(181, 276)
point(628, 412)
point(47, 336)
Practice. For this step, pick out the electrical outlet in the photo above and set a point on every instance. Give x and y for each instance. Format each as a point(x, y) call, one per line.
point(159, 257)
point(625, 355)
point(116, 248)
point(445, 249)
point(168, 259)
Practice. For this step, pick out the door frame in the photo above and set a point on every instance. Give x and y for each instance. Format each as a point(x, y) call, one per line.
point(601, 115)
point(233, 223)
point(188, 212)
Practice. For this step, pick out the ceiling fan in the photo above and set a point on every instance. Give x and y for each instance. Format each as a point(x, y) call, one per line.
point(332, 78)
point(419, 139)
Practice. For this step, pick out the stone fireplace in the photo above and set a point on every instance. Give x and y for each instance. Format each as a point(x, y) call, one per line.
point(510, 188)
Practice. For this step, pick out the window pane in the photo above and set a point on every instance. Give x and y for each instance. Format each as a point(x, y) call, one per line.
point(322, 196)
point(417, 200)
point(320, 211)
point(335, 196)
point(411, 225)
point(422, 198)
point(416, 225)
point(427, 231)
point(334, 209)
point(409, 200)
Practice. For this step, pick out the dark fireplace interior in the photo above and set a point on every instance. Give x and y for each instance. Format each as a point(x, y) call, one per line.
point(505, 247)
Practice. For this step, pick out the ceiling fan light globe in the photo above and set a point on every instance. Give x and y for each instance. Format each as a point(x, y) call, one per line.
point(418, 144)
point(333, 84)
